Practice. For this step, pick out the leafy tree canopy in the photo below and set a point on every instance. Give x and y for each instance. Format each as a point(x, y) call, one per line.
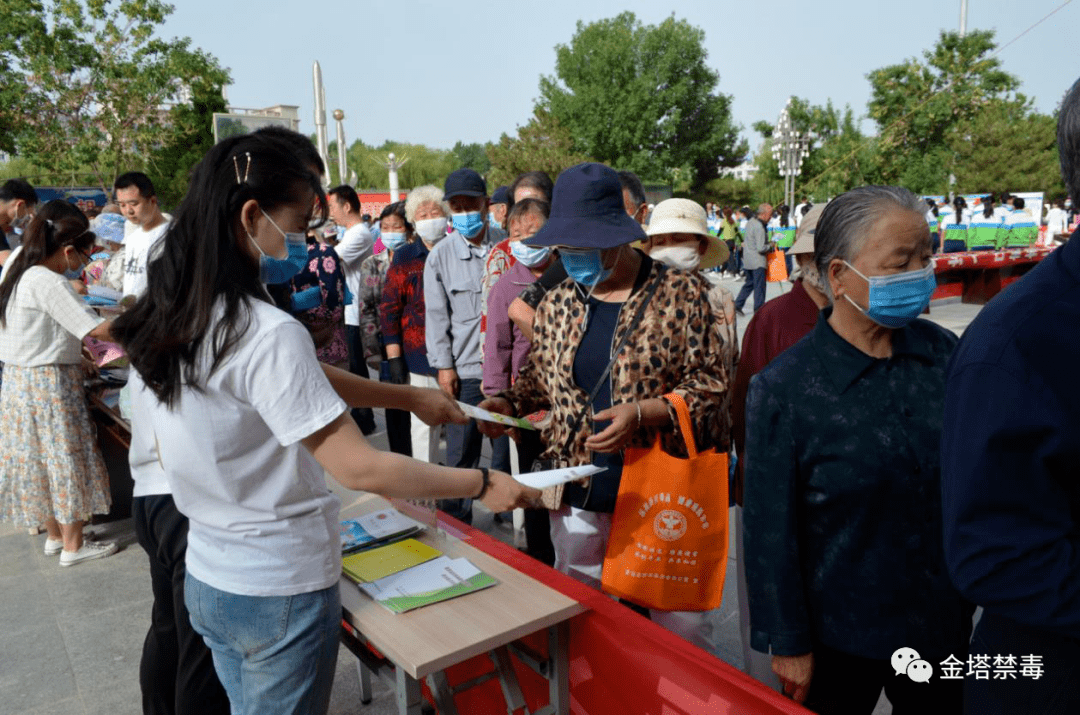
point(88, 86)
point(543, 144)
point(923, 106)
point(640, 97)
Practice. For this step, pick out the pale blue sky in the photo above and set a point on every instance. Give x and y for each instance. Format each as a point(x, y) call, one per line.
point(436, 72)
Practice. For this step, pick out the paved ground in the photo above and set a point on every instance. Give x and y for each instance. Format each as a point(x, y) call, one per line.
point(70, 639)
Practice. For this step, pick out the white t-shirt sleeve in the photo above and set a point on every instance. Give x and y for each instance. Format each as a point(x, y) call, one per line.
point(287, 387)
point(355, 246)
point(66, 308)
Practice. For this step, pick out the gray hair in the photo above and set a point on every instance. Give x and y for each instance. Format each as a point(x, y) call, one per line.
point(422, 195)
point(841, 230)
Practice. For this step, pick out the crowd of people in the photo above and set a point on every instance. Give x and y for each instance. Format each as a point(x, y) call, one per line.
point(886, 477)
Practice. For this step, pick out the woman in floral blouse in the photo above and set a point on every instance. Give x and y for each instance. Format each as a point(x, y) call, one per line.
point(317, 298)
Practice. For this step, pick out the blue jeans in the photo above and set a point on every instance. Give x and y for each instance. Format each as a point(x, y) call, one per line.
point(755, 281)
point(273, 654)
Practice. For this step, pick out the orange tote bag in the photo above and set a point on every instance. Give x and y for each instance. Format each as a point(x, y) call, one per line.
point(777, 267)
point(669, 533)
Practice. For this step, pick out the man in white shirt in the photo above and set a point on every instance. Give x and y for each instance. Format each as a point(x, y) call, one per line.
point(352, 248)
point(138, 203)
point(18, 201)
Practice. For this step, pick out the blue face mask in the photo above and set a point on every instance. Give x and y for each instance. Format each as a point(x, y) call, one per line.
point(393, 241)
point(531, 256)
point(898, 299)
point(73, 275)
point(273, 271)
point(585, 267)
point(468, 224)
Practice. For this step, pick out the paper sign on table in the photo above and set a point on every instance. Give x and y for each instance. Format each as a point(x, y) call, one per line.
point(552, 477)
point(478, 414)
point(437, 580)
point(381, 562)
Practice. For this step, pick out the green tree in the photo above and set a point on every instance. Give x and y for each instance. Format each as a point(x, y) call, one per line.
point(640, 97)
point(471, 156)
point(839, 156)
point(543, 144)
point(170, 164)
point(425, 164)
point(1007, 146)
point(95, 83)
point(726, 191)
point(923, 107)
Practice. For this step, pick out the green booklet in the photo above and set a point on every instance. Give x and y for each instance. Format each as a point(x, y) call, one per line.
point(431, 582)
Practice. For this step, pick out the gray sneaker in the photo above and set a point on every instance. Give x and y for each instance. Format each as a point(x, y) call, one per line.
point(88, 552)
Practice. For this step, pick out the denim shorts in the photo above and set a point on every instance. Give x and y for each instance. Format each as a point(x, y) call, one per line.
point(273, 654)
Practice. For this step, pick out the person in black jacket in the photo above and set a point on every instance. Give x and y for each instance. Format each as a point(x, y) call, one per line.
point(1011, 496)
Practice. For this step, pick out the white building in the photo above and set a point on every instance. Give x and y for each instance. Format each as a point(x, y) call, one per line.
point(743, 172)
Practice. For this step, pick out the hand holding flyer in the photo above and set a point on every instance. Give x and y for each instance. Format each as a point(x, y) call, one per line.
point(478, 414)
point(553, 477)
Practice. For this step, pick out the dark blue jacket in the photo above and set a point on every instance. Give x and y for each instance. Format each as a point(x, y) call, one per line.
point(1011, 452)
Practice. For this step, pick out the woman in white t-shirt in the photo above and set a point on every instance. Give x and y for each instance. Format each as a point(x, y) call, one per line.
point(245, 421)
point(51, 471)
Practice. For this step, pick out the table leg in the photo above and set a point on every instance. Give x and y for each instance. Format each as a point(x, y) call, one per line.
point(508, 679)
point(559, 676)
point(443, 694)
point(365, 682)
point(409, 701)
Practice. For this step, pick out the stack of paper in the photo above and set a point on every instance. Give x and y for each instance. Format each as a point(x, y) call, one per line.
point(377, 528)
point(373, 564)
point(433, 581)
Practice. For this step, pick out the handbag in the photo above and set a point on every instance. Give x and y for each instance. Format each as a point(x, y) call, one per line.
point(669, 533)
point(551, 497)
point(776, 270)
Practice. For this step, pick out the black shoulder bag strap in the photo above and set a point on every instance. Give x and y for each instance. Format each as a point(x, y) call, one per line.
point(615, 355)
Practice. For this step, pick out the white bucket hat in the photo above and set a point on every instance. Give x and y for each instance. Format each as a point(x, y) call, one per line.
point(686, 216)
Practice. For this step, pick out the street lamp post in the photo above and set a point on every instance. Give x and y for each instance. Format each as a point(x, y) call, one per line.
point(393, 164)
point(789, 148)
point(343, 167)
point(322, 144)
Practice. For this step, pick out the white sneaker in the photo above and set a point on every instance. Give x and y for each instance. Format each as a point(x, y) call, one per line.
point(88, 552)
point(53, 546)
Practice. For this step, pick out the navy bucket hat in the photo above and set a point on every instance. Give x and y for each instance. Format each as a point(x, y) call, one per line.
point(587, 211)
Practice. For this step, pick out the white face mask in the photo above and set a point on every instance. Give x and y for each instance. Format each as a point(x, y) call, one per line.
point(431, 230)
point(686, 258)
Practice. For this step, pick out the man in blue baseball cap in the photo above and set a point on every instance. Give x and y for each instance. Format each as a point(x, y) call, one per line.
point(500, 203)
point(453, 278)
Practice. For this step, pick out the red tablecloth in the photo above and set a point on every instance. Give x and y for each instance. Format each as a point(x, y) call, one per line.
point(977, 276)
point(944, 262)
point(620, 662)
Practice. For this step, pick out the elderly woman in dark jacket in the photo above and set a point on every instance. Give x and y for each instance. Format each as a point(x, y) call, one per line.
point(843, 528)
